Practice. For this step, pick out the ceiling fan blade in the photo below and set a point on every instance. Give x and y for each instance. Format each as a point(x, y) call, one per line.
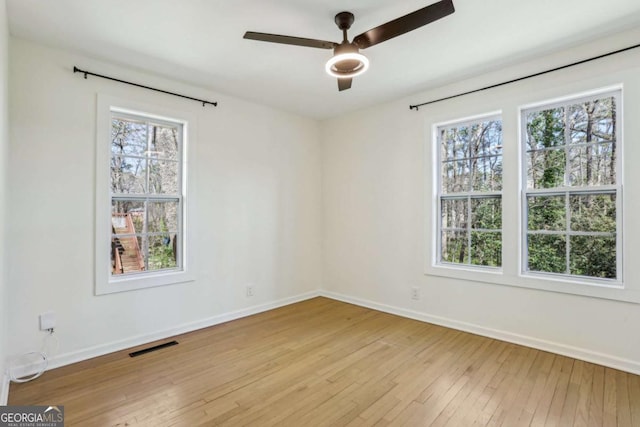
point(404, 24)
point(296, 41)
point(344, 84)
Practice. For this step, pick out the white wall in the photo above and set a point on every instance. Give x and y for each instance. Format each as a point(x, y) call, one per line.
point(4, 145)
point(272, 190)
point(258, 197)
point(377, 183)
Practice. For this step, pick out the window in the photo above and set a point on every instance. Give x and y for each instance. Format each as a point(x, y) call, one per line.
point(469, 192)
point(571, 197)
point(146, 195)
point(141, 203)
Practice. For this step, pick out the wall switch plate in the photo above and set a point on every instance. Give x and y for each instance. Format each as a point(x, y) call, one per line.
point(415, 293)
point(47, 321)
point(250, 290)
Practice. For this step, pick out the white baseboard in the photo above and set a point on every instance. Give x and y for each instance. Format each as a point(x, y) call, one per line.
point(100, 350)
point(553, 347)
point(4, 389)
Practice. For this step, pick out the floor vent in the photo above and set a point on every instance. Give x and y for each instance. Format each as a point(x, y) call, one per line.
point(154, 348)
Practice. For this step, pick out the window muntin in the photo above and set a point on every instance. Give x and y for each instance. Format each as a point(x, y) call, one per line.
point(469, 194)
point(571, 201)
point(146, 194)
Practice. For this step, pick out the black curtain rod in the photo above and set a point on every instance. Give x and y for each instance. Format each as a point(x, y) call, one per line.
point(417, 106)
point(88, 73)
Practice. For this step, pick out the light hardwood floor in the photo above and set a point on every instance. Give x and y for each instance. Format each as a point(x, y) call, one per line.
point(327, 363)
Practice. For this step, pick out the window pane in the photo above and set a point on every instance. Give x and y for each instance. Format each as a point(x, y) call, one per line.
point(127, 255)
point(487, 173)
point(547, 253)
point(127, 216)
point(128, 175)
point(161, 252)
point(146, 159)
point(546, 213)
point(486, 248)
point(454, 247)
point(163, 177)
point(605, 120)
point(545, 169)
point(593, 256)
point(163, 217)
point(573, 145)
point(164, 142)
point(455, 176)
point(592, 165)
point(486, 213)
point(128, 137)
point(592, 121)
point(491, 139)
point(456, 143)
point(454, 213)
point(545, 129)
point(471, 161)
point(593, 212)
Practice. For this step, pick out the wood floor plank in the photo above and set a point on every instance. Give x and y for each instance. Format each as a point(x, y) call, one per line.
point(623, 408)
point(634, 397)
point(584, 396)
point(459, 407)
point(597, 398)
point(569, 408)
point(560, 393)
point(609, 411)
point(492, 412)
point(326, 363)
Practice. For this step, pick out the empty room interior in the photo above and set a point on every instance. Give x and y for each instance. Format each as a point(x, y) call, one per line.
point(324, 213)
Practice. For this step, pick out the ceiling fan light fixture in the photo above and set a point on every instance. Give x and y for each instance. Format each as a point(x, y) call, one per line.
point(347, 65)
point(347, 61)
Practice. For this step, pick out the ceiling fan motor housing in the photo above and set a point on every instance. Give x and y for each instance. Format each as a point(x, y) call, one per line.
point(344, 20)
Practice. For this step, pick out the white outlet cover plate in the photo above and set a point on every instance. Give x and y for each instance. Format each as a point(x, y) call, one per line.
point(47, 320)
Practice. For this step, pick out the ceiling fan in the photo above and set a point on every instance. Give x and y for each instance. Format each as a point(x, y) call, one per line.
point(347, 61)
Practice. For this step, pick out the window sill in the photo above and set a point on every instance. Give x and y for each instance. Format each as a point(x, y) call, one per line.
point(615, 291)
point(142, 281)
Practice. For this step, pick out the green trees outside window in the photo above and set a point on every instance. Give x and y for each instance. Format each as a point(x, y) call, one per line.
point(470, 193)
point(571, 187)
point(146, 196)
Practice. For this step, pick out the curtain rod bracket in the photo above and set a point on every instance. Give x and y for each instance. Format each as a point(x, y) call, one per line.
point(86, 73)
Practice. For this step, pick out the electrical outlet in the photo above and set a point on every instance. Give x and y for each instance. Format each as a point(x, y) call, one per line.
point(250, 290)
point(47, 321)
point(415, 293)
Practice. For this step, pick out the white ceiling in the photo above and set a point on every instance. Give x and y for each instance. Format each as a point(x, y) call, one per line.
point(200, 41)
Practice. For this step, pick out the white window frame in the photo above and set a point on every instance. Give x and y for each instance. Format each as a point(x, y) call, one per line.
point(469, 195)
point(105, 281)
point(615, 92)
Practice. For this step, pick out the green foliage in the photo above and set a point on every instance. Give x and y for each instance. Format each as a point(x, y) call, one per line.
point(593, 212)
point(547, 253)
point(161, 255)
point(545, 131)
point(546, 213)
point(593, 256)
point(486, 246)
point(454, 247)
point(550, 239)
point(487, 249)
point(472, 162)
